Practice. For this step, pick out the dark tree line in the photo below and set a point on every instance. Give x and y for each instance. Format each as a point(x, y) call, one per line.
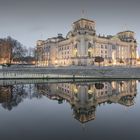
point(19, 52)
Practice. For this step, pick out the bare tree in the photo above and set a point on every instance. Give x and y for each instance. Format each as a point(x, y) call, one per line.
point(18, 51)
point(31, 51)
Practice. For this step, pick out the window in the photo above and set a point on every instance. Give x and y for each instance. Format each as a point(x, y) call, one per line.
point(89, 54)
point(113, 47)
point(89, 45)
point(89, 87)
point(75, 46)
point(76, 54)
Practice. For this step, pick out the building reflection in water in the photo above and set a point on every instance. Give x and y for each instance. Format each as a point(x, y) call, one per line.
point(83, 97)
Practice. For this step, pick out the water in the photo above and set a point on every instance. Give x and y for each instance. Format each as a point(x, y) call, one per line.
point(70, 111)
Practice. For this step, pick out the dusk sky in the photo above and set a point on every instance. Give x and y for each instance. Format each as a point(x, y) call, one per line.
point(31, 20)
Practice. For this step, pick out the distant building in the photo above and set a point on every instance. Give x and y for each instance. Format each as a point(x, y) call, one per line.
point(82, 45)
point(5, 52)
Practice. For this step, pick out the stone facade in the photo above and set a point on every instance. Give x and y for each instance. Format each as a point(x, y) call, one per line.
point(82, 45)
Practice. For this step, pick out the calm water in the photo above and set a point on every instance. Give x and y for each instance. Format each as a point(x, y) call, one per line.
point(76, 111)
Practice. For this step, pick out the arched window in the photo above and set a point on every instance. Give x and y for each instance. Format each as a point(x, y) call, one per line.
point(89, 54)
point(89, 50)
point(89, 45)
point(75, 46)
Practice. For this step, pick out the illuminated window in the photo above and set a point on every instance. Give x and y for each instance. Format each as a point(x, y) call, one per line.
point(75, 46)
point(89, 54)
point(89, 45)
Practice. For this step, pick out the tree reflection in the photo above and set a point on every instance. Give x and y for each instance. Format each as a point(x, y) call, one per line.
point(12, 95)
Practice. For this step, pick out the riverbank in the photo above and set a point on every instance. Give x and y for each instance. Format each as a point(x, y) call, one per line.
point(71, 73)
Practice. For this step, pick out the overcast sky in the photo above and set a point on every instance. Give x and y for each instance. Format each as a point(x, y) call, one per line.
point(30, 20)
